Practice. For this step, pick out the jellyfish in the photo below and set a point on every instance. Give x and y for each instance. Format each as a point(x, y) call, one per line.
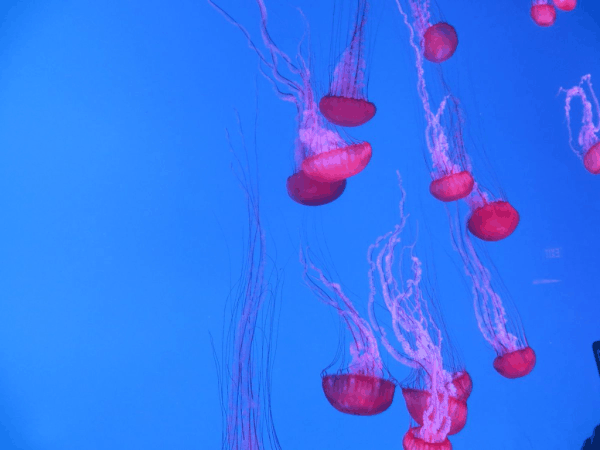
point(451, 168)
point(346, 102)
point(437, 42)
point(514, 357)
point(364, 387)
point(321, 154)
point(245, 372)
point(543, 13)
point(588, 144)
point(438, 403)
point(490, 220)
point(565, 5)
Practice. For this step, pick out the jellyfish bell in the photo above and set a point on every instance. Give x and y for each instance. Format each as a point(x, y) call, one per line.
point(591, 159)
point(565, 5)
point(454, 186)
point(493, 221)
point(463, 384)
point(310, 192)
point(412, 441)
point(338, 163)
point(418, 402)
point(346, 103)
point(515, 364)
point(358, 394)
point(346, 111)
point(543, 14)
point(439, 42)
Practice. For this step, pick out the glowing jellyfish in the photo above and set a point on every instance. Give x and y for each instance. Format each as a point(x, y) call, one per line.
point(247, 358)
point(565, 5)
point(451, 169)
point(320, 152)
point(362, 388)
point(346, 103)
point(490, 220)
point(438, 405)
point(588, 144)
point(514, 357)
point(437, 42)
point(543, 13)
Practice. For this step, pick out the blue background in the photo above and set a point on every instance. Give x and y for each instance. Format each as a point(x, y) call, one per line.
point(123, 225)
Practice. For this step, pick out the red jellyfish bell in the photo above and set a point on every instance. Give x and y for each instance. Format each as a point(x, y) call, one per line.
point(515, 364)
point(493, 221)
point(543, 14)
point(358, 394)
point(565, 5)
point(452, 187)
point(591, 159)
point(412, 441)
point(309, 192)
point(339, 163)
point(439, 42)
point(417, 402)
point(347, 111)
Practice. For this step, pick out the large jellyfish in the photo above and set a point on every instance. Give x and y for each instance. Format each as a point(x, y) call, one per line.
point(438, 402)
point(346, 102)
point(323, 158)
point(451, 169)
point(363, 387)
point(247, 359)
point(514, 357)
point(543, 12)
point(588, 144)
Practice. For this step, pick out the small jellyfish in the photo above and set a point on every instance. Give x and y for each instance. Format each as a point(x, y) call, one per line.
point(490, 220)
point(543, 13)
point(588, 144)
point(439, 42)
point(363, 387)
point(565, 5)
point(346, 103)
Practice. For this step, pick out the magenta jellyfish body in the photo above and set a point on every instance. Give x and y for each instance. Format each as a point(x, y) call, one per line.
point(565, 5)
point(450, 166)
point(346, 103)
point(363, 387)
point(587, 147)
point(504, 332)
point(320, 152)
point(438, 405)
point(439, 42)
point(491, 220)
point(543, 13)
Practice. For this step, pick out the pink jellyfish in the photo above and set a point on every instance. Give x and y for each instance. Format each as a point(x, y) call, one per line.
point(490, 220)
point(363, 388)
point(451, 169)
point(437, 42)
point(247, 360)
point(565, 5)
point(514, 357)
point(346, 103)
point(323, 158)
point(439, 405)
point(588, 148)
point(543, 13)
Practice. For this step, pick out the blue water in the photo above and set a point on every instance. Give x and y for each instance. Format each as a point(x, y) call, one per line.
point(123, 224)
